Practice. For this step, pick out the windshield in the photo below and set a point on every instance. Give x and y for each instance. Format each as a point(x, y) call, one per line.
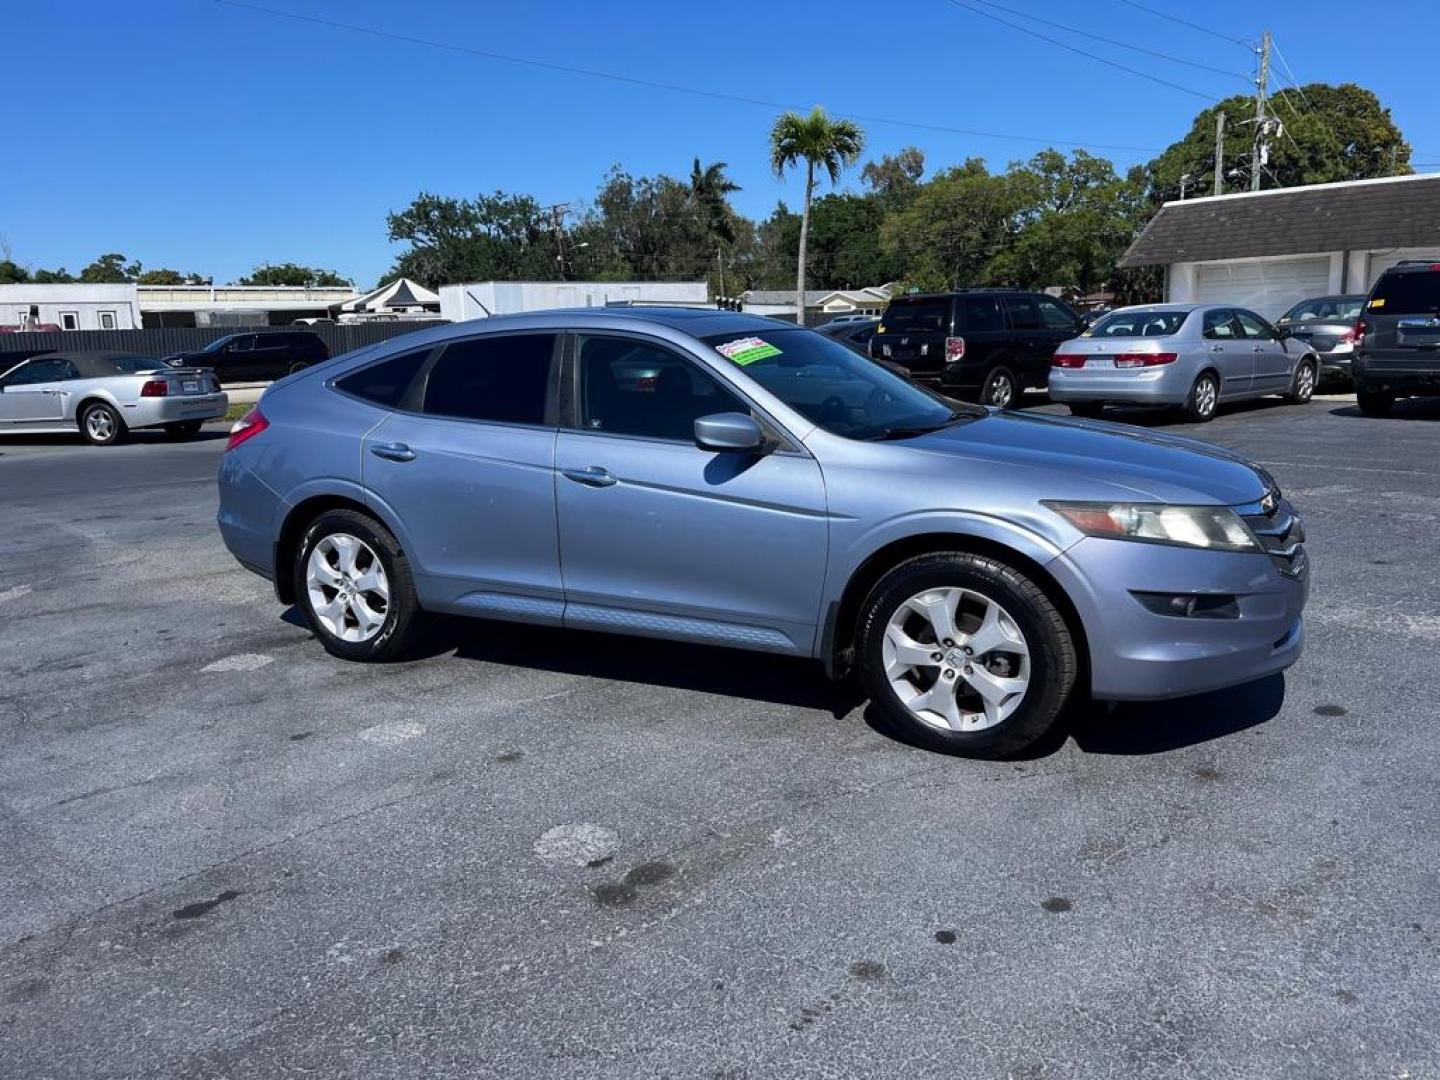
point(1326, 308)
point(218, 344)
point(916, 316)
point(839, 390)
point(1142, 322)
point(132, 365)
point(1407, 293)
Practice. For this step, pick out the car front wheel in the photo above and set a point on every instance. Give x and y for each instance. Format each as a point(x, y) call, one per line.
point(1302, 389)
point(354, 587)
point(965, 654)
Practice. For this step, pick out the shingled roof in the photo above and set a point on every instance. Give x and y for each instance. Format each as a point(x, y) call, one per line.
point(1402, 211)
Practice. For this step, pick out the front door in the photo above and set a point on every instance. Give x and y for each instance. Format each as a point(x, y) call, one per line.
point(660, 537)
point(1272, 362)
point(1228, 351)
point(33, 395)
point(469, 469)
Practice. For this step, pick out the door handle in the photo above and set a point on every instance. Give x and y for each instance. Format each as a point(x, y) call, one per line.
point(1217, 348)
point(393, 451)
point(594, 476)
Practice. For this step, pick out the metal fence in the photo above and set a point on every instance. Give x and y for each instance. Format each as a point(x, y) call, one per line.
point(338, 338)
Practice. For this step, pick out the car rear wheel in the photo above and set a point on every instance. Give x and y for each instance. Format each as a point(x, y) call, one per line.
point(964, 653)
point(101, 424)
point(1374, 402)
point(354, 587)
point(1000, 388)
point(1203, 398)
point(299, 365)
point(186, 429)
point(1302, 388)
point(1090, 410)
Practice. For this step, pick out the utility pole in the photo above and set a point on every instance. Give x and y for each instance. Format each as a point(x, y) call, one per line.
point(1260, 150)
point(720, 258)
point(1220, 152)
point(557, 225)
point(1184, 183)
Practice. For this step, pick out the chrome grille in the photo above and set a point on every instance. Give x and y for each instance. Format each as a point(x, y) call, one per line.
point(1280, 531)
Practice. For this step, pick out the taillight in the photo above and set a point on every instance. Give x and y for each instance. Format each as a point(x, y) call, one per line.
point(155, 388)
point(1144, 359)
point(246, 428)
point(954, 348)
point(1067, 360)
point(1357, 333)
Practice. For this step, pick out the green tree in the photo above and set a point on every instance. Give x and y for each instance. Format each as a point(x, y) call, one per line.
point(289, 273)
point(110, 269)
point(895, 177)
point(710, 191)
point(492, 237)
point(1330, 133)
point(166, 276)
point(52, 277)
point(833, 145)
point(12, 273)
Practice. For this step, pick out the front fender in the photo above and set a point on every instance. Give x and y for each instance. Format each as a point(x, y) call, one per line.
point(1030, 543)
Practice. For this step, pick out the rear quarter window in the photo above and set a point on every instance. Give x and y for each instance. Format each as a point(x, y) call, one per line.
point(1411, 293)
point(385, 383)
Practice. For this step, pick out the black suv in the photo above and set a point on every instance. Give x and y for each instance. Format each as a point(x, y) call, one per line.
point(985, 345)
point(1397, 339)
point(258, 356)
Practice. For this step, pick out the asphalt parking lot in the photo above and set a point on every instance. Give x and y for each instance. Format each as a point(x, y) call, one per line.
point(534, 853)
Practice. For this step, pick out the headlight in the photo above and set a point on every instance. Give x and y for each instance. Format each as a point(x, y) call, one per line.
point(1216, 527)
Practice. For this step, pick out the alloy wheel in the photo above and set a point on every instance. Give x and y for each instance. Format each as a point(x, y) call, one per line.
point(100, 425)
point(1002, 391)
point(1206, 395)
point(347, 587)
point(1305, 383)
point(956, 659)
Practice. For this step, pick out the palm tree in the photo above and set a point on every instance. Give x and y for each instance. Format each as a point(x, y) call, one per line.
point(831, 144)
point(708, 190)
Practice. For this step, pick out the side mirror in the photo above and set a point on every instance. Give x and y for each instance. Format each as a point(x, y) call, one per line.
point(728, 432)
point(1282, 332)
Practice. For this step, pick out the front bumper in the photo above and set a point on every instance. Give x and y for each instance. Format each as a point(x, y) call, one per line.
point(152, 412)
point(1137, 655)
point(1168, 385)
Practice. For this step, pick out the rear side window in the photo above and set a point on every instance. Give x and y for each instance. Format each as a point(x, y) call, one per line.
point(385, 383)
point(1410, 293)
point(1055, 315)
point(980, 313)
point(503, 378)
point(1023, 315)
point(917, 316)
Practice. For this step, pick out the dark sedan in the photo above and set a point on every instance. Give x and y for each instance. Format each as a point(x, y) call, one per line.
point(1327, 325)
point(855, 335)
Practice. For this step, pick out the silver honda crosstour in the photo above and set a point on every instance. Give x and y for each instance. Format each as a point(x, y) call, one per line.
point(1193, 356)
point(104, 395)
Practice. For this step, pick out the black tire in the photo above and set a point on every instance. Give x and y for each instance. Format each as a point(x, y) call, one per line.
point(1302, 389)
point(185, 429)
point(397, 633)
point(102, 425)
point(1199, 406)
point(1000, 388)
point(1054, 659)
point(1088, 410)
point(1374, 402)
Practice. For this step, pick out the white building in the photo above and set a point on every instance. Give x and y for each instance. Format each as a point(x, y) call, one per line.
point(477, 300)
point(1268, 250)
point(820, 304)
point(130, 306)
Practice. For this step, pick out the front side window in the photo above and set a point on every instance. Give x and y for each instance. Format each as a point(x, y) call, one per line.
point(835, 388)
point(502, 378)
point(631, 387)
point(54, 369)
point(1253, 326)
point(1140, 322)
point(1023, 315)
point(1054, 315)
point(385, 383)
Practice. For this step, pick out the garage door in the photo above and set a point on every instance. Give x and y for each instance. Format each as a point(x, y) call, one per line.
point(1270, 288)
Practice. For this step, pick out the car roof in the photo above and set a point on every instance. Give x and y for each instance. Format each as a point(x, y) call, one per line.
point(93, 361)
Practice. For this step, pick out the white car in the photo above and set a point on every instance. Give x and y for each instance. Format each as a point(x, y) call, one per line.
point(104, 395)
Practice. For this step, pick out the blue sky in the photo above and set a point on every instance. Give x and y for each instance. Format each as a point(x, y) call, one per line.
point(206, 137)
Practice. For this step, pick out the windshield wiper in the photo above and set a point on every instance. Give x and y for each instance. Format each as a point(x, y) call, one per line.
point(909, 431)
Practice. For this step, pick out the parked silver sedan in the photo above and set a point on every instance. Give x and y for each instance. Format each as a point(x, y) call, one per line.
point(104, 395)
point(1193, 356)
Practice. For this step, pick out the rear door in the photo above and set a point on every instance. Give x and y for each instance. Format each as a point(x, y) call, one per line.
point(1402, 320)
point(468, 465)
point(1030, 338)
point(1229, 351)
point(1271, 371)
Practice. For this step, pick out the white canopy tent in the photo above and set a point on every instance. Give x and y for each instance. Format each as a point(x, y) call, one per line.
point(399, 297)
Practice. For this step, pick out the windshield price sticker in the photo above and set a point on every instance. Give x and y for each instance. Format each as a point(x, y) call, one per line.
point(747, 350)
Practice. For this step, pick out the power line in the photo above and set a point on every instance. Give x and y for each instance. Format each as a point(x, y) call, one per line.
point(1082, 52)
point(1113, 41)
point(676, 88)
point(1291, 72)
point(1186, 22)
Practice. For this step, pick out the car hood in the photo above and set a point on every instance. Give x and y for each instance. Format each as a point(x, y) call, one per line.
point(1093, 459)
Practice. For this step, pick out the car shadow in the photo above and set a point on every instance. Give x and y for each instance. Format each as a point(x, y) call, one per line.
point(1404, 409)
point(1141, 416)
point(143, 436)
